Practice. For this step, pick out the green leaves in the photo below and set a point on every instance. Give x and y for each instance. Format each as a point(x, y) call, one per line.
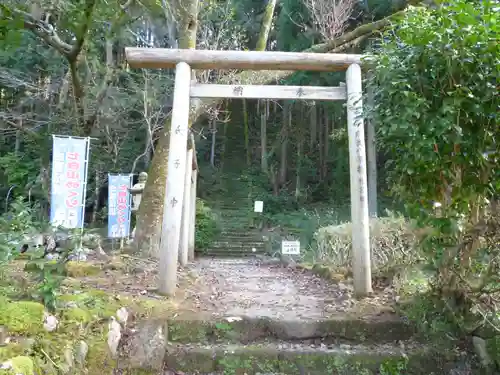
point(434, 79)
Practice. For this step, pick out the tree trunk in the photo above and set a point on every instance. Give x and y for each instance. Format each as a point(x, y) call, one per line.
point(263, 142)
point(300, 148)
point(212, 146)
point(265, 27)
point(287, 118)
point(17, 146)
point(245, 131)
point(313, 127)
point(150, 214)
point(224, 146)
point(326, 143)
point(151, 209)
point(321, 129)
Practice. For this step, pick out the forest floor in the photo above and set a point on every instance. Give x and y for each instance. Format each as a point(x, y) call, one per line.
point(227, 308)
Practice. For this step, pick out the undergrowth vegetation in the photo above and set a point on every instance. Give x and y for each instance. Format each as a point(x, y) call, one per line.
point(206, 225)
point(393, 243)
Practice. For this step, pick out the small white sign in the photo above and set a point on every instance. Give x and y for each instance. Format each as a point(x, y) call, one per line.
point(290, 247)
point(258, 206)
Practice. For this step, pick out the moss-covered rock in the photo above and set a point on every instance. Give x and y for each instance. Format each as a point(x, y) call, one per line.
point(81, 269)
point(21, 316)
point(10, 350)
point(20, 365)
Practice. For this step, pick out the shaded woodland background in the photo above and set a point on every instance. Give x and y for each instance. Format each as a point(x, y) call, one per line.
point(48, 88)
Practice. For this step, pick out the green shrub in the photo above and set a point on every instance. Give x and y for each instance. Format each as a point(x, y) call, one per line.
point(206, 225)
point(435, 85)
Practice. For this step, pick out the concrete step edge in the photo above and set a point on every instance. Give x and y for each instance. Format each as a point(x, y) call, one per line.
point(246, 329)
point(295, 358)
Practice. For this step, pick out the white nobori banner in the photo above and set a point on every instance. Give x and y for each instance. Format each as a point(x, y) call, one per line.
point(69, 181)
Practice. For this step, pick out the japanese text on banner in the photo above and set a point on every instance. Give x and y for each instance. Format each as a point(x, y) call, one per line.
point(69, 178)
point(119, 206)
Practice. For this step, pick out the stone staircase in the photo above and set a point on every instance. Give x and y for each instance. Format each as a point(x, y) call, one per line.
point(237, 243)
point(239, 235)
point(271, 320)
point(268, 346)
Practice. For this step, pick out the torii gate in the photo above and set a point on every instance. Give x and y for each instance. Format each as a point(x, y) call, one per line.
point(177, 191)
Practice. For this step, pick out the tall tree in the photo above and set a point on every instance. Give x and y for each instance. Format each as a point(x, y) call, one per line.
point(150, 214)
point(149, 217)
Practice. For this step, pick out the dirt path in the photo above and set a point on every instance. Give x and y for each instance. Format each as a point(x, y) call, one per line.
point(248, 287)
point(245, 287)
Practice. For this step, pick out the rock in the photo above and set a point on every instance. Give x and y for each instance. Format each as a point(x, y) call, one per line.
point(69, 358)
point(288, 261)
point(481, 350)
point(114, 336)
point(81, 351)
point(101, 255)
point(71, 305)
point(232, 319)
point(26, 343)
point(50, 322)
point(52, 256)
point(20, 365)
point(37, 240)
point(146, 346)
point(122, 315)
point(79, 255)
point(91, 240)
point(4, 336)
point(267, 260)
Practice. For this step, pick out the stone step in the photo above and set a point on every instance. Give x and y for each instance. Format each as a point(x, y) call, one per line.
point(237, 244)
point(229, 232)
point(303, 358)
point(248, 329)
point(236, 210)
point(239, 238)
point(248, 237)
point(225, 253)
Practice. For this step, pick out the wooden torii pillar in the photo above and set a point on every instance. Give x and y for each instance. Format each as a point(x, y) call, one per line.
point(185, 60)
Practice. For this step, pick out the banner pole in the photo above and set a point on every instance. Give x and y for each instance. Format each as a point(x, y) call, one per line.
point(87, 157)
point(131, 176)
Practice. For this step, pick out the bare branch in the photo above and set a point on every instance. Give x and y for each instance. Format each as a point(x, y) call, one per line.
point(82, 33)
point(44, 31)
point(330, 16)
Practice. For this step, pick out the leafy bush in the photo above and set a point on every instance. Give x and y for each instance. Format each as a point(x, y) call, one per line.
point(17, 169)
point(18, 227)
point(435, 90)
point(206, 226)
point(392, 242)
point(15, 226)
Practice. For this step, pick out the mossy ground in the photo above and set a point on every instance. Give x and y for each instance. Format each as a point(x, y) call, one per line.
point(92, 292)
